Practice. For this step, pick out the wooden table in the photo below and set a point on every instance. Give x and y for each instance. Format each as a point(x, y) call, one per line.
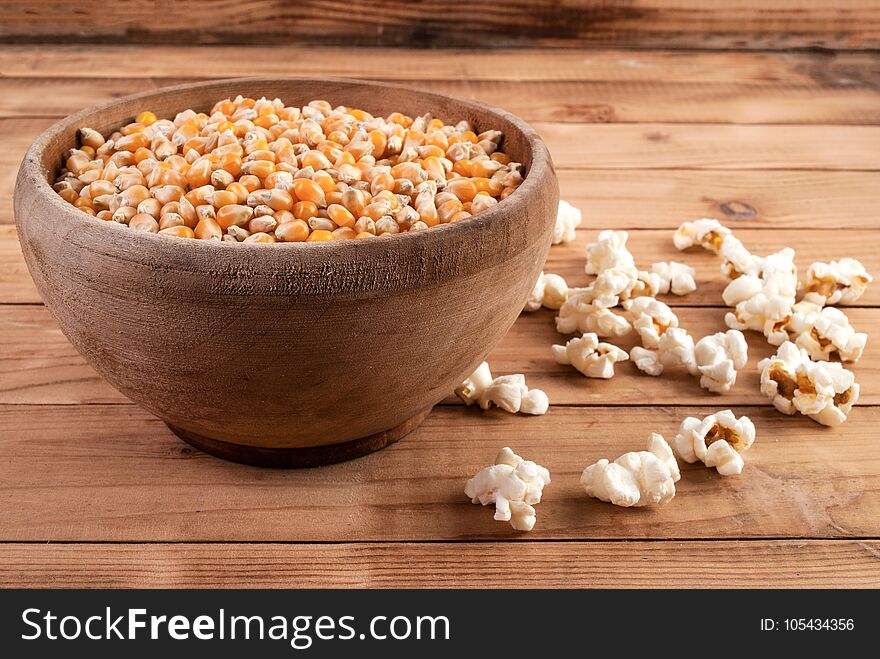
point(784, 148)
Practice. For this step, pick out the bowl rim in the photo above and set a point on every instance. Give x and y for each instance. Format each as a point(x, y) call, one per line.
point(34, 173)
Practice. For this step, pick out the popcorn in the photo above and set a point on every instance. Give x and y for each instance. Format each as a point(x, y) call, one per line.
point(550, 291)
point(567, 218)
point(768, 315)
point(676, 348)
point(579, 313)
point(824, 331)
point(718, 358)
point(779, 274)
point(741, 289)
point(637, 478)
point(716, 441)
point(647, 361)
point(650, 318)
point(707, 233)
point(838, 281)
point(589, 356)
point(509, 392)
point(824, 391)
point(608, 253)
point(514, 485)
point(676, 278)
point(738, 260)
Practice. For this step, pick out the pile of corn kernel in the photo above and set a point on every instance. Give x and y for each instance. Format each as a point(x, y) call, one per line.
point(259, 171)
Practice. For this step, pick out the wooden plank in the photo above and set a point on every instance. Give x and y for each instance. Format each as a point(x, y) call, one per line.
point(115, 473)
point(209, 61)
point(648, 246)
point(654, 199)
point(480, 23)
point(39, 365)
point(694, 564)
point(616, 101)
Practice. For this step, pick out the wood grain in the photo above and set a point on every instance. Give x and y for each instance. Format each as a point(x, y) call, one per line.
point(826, 68)
point(648, 246)
point(115, 473)
point(479, 23)
point(636, 564)
point(612, 101)
point(39, 366)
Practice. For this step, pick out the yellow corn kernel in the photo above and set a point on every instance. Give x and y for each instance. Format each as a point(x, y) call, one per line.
point(303, 210)
point(234, 214)
point(208, 229)
point(250, 182)
point(462, 188)
point(319, 236)
point(146, 118)
point(260, 238)
point(344, 233)
point(340, 215)
point(144, 222)
point(307, 190)
point(178, 232)
point(295, 231)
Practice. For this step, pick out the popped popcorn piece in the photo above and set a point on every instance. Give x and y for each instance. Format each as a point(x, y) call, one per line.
point(779, 274)
point(514, 485)
point(738, 260)
point(717, 441)
point(647, 361)
point(609, 252)
point(768, 315)
point(637, 478)
point(719, 356)
point(676, 278)
point(550, 291)
point(824, 391)
point(823, 331)
point(650, 318)
point(741, 289)
point(708, 233)
point(509, 392)
point(568, 217)
point(838, 281)
point(589, 356)
point(580, 314)
point(676, 348)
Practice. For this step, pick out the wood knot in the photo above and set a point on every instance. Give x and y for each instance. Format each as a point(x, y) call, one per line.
point(656, 136)
point(738, 210)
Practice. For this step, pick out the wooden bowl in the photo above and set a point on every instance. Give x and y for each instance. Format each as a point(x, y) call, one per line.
point(287, 354)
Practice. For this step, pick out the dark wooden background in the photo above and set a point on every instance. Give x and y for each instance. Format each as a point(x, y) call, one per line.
point(685, 24)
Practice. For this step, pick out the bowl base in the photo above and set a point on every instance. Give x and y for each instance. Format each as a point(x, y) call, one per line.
point(295, 458)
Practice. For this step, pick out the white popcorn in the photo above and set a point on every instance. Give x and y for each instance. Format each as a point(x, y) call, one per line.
point(676, 348)
point(514, 485)
point(707, 233)
point(779, 274)
point(838, 281)
point(509, 392)
point(650, 318)
point(550, 291)
point(824, 331)
point(768, 315)
point(609, 252)
point(676, 278)
point(741, 289)
point(589, 356)
point(567, 219)
point(637, 478)
point(718, 357)
point(581, 315)
point(824, 391)
point(716, 441)
point(647, 361)
point(738, 260)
